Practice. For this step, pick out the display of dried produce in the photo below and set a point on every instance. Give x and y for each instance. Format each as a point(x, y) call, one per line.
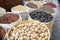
point(41, 16)
point(29, 30)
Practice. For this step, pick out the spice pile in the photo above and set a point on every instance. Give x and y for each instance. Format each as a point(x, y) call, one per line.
point(31, 5)
point(9, 18)
point(51, 4)
point(47, 8)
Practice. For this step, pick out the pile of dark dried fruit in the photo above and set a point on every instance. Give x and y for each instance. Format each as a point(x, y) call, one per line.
point(41, 16)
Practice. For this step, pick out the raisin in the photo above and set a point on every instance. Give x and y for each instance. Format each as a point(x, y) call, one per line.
point(41, 16)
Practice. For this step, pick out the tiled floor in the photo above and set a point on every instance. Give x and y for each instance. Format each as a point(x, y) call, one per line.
point(56, 28)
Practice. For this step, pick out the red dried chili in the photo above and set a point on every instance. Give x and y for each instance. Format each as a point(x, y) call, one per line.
point(51, 4)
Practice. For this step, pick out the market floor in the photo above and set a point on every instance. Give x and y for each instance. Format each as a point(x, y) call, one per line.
point(56, 28)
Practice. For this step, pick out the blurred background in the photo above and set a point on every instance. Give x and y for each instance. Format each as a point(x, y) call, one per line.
point(56, 29)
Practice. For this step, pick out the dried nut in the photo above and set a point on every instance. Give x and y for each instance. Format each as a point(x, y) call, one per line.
point(42, 35)
point(30, 31)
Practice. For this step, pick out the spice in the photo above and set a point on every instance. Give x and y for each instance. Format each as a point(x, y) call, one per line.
point(8, 18)
point(19, 8)
point(31, 5)
point(28, 0)
point(38, 3)
point(47, 8)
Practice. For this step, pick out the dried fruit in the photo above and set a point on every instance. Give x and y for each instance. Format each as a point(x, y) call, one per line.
point(41, 16)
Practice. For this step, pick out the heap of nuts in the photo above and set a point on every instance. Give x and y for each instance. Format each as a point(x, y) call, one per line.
point(29, 31)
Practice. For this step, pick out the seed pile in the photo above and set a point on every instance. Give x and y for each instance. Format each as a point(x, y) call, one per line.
point(29, 31)
point(41, 16)
point(47, 8)
point(31, 5)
